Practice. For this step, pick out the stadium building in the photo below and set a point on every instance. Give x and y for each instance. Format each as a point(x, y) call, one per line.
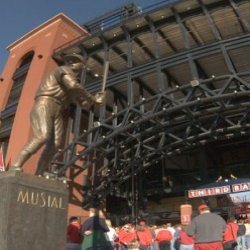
point(177, 109)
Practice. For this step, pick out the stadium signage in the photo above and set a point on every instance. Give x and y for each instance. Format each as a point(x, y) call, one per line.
point(40, 199)
point(227, 189)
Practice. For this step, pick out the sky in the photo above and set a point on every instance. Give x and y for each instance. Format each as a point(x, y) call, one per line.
point(18, 17)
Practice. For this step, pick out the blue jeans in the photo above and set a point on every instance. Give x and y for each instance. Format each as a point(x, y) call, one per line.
point(144, 247)
point(172, 247)
point(186, 247)
point(124, 247)
point(73, 246)
point(241, 242)
point(247, 240)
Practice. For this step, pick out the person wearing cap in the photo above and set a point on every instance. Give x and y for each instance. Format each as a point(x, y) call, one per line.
point(163, 238)
point(207, 229)
point(53, 97)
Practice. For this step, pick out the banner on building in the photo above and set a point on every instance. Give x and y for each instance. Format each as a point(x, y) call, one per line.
point(2, 165)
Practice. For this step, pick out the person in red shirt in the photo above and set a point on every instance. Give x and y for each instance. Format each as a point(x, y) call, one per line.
point(74, 237)
point(144, 235)
point(163, 238)
point(126, 237)
point(230, 234)
point(186, 241)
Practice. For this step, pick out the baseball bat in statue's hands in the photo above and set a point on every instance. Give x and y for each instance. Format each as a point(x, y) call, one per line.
point(100, 97)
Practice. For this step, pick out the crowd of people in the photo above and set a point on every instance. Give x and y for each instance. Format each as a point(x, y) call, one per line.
point(206, 231)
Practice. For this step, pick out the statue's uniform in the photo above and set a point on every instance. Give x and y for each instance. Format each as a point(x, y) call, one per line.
point(54, 94)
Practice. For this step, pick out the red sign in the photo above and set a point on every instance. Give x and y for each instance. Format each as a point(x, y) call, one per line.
point(186, 212)
point(209, 191)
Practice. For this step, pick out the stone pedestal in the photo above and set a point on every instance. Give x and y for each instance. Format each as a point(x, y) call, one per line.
point(33, 212)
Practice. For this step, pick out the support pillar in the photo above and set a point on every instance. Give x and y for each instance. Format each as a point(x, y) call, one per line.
point(202, 163)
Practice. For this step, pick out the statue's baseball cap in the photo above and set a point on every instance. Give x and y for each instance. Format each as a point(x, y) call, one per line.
point(73, 58)
point(203, 207)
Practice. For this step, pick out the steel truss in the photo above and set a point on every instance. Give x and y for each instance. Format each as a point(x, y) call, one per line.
point(144, 122)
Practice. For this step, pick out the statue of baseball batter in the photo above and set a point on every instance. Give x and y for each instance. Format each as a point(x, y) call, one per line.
point(59, 88)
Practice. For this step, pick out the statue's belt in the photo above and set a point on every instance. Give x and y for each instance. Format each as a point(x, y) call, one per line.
point(49, 98)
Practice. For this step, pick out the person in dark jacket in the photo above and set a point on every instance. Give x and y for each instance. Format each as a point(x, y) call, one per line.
point(94, 231)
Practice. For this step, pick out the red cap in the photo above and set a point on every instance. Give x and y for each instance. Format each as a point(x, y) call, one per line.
point(202, 207)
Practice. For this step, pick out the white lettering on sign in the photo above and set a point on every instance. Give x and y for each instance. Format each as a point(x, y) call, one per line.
point(209, 191)
point(241, 187)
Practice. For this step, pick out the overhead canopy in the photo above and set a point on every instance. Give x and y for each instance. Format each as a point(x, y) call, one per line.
point(178, 80)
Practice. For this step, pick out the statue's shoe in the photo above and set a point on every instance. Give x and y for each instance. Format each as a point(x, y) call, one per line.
point(16, 169)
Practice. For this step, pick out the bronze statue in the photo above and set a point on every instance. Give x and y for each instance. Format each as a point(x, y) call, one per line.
point(59, 88)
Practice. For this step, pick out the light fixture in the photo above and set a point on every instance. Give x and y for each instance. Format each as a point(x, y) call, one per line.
point(233, 177)
point(219, 178)
point(194, 83)
point(97, 124)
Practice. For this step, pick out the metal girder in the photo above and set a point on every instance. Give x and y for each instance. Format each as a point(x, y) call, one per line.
point(149, 118)
point(184, 124)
